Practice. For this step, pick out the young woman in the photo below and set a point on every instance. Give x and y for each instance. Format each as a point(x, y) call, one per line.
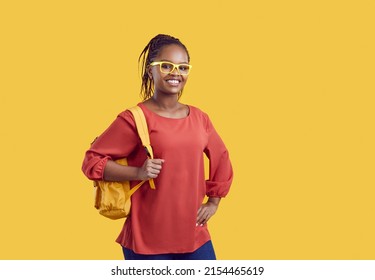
point(171, 221)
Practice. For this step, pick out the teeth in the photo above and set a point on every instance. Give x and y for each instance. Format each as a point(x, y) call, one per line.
point(173, 81)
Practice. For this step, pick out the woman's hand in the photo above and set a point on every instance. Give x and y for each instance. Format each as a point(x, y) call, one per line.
point(150, 169)
point(207, 210)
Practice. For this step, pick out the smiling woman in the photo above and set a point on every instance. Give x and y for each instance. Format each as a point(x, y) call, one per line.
point(171, 221)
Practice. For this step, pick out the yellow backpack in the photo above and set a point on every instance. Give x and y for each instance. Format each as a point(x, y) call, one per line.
point(113, 199)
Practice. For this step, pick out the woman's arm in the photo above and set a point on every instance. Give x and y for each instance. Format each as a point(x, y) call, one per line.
point(119, 140)
point(117, 172)
point(220, 175)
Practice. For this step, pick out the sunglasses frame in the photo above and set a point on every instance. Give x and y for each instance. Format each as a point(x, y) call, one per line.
point(175, 66)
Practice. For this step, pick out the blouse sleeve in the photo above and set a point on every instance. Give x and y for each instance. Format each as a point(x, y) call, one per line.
point(220, 171)
point(116, 142)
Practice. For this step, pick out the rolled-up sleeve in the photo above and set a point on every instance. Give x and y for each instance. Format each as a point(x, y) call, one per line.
point(220, 170)
point(116, 142)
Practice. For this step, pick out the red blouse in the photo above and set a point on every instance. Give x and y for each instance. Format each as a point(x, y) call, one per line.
point(164, 220)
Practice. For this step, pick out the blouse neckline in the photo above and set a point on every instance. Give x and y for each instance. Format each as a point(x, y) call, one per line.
point(162, 117)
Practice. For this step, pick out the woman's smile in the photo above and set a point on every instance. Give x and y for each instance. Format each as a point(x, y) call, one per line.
point(173, 82)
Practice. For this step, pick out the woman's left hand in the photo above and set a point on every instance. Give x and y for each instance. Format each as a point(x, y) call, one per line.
point(207, 210)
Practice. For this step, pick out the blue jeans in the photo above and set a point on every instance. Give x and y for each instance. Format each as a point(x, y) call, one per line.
point(205, 252)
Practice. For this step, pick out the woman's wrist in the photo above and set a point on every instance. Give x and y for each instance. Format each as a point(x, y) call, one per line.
point(214, 200)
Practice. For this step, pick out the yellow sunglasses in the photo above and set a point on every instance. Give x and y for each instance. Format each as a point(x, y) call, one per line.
point(168, 67)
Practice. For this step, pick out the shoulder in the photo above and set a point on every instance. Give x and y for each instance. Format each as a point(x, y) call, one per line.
point(195, 111)
point(201, 116)
point(126, 114)
point(127, 117)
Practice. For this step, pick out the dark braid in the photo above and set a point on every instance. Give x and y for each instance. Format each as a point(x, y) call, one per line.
point(148, 55)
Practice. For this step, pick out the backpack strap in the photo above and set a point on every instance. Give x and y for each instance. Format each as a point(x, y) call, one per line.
point(141, 124)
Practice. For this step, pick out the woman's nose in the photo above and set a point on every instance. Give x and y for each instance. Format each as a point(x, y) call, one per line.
point(175, 72)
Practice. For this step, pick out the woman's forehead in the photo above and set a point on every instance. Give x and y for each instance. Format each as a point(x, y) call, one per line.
point(174, 53)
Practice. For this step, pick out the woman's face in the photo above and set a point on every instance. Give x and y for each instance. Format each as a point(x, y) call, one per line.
point(173, 82)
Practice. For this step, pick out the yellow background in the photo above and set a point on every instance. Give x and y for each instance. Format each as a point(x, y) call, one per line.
point(288, 84)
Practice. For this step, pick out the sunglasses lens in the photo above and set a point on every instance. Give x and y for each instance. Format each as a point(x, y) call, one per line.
point(184, 69)
point(166, 67)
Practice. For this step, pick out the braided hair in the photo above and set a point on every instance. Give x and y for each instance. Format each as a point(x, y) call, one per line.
point(148, 55)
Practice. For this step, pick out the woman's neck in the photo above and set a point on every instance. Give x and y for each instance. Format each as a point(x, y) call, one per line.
point(165, 102)
point(167, 106)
